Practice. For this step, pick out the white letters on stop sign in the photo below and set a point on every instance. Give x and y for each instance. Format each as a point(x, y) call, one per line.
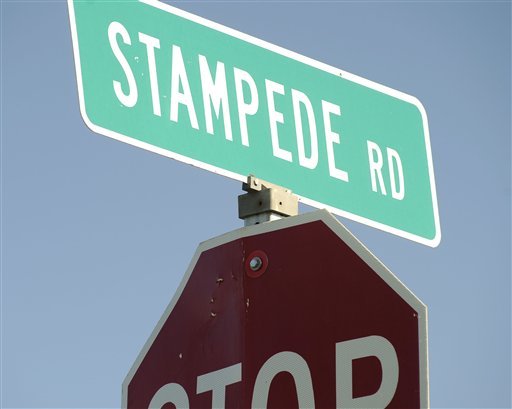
point(217, 381)
point(291, 362)
point(348, 351)
point(170, 393)
point(295, 365)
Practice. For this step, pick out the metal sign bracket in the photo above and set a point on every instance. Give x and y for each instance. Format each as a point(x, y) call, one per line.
point(265, 202)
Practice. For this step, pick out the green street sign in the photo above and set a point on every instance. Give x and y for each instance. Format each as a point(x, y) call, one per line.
point(176, 84)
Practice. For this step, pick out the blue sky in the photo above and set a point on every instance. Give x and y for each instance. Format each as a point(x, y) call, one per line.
point(96, 234)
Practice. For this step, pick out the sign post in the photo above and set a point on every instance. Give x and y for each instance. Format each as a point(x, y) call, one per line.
point(179, 85)
point(291, 313)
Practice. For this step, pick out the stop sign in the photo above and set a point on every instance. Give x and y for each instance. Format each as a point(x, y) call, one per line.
point(291, 313)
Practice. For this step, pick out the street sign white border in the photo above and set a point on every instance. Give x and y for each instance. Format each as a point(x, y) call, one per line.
point(348, 238)
point(242, 178)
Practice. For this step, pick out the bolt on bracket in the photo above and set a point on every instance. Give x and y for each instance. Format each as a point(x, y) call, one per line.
point(265, 201)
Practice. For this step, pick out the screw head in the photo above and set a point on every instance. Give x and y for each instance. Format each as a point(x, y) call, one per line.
point(255, 263)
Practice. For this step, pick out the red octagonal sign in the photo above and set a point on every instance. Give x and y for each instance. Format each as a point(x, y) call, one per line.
point(294, 313)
